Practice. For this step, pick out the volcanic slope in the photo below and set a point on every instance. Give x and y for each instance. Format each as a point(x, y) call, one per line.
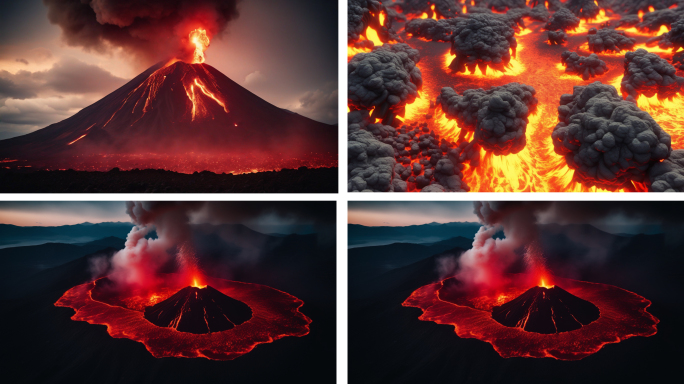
point(199, 310)
point(176, 109)
point(546, 310)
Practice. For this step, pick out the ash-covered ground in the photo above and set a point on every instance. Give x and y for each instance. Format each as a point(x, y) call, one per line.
point(302, 180)
point(403, 55)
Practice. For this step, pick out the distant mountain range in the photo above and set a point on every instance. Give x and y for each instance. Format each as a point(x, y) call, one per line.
point(361, 235)
point(13, 235)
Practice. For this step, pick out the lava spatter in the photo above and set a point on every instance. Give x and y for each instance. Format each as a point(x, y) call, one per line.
point(623, 314)
point(274, 315)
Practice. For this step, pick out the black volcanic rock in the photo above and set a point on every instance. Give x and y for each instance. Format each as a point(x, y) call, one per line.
point(546, 310)
point(199, 310)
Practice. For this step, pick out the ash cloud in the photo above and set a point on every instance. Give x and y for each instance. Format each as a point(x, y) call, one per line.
point(652, 21)
point(138, 264)
point(678, 60)
point(608, 39)
point(151, 31)
point(608, 141)
point(648, 74)
point(634, 6)
point(584, 66)
point(674, 39)
point(498, 116)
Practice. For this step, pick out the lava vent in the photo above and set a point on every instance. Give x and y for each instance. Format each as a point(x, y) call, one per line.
point(546, 310)
point(199, 310)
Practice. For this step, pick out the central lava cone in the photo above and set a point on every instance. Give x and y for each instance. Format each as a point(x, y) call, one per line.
point(199, 310)
point(546, 310)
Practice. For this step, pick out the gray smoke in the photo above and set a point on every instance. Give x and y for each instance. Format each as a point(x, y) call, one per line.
point(584, 66)
point(562, 19)
point(482, 41)
point(608, 39)
point(668, 176)
point(648, 74)
point(557, 37)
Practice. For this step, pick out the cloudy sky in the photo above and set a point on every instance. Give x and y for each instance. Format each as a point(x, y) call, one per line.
point(403, 213)
point(283, 51)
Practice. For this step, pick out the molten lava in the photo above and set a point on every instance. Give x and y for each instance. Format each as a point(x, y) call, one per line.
point(568, 323)
point(199, 38)
point(220, 321)
point(537, 168)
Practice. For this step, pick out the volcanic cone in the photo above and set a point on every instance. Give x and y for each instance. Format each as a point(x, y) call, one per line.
point(199, 310)
point(546, 310)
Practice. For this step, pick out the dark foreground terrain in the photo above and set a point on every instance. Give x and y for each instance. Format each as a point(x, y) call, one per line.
point(389, 344)
point(302, 180)
point(46, 346)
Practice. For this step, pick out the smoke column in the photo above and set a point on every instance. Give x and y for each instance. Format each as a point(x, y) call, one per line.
point(151, 30)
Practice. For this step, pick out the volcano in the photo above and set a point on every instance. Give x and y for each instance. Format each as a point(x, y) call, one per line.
point(177, 109)
point(199, 310)
point(546, 310)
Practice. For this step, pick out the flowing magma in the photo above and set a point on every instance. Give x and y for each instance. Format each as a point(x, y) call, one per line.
point(535, 62)
point(215, 319)
point(519, 320)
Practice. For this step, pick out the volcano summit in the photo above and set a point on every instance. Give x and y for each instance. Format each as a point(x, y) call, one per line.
point(177, 109)
point(199, 310)
point(546, 310)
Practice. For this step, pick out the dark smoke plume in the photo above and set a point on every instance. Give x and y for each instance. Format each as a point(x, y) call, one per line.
point(557, 37)
point(151, 30)
point(652, 21)
point(482, 41)
point(668, 176)
point(562, 19)
point(584, 9)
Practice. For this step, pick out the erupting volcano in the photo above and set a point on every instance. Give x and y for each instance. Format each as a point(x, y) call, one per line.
point(179, 116)
point(546, 310)
point(221, 320)
point(456, 96)
point(567, 323)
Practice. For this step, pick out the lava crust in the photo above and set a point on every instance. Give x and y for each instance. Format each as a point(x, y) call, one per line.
point(546, 310)
point(274, 315)
point(623, 314)
point(199, 310)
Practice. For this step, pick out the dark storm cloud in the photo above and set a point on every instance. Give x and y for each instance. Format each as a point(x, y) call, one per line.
point(68, 75)
point(319, 105)
point(608, 141)
point(23, 61)
point(151, 30)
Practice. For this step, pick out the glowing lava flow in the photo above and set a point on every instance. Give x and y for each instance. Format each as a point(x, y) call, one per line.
point(623, 314)
point(201, 41)
point(537, 168)
point(275, 314)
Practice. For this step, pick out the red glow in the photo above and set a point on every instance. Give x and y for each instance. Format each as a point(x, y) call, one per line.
point(199, 38)
point(275, 315)
point(623, 314)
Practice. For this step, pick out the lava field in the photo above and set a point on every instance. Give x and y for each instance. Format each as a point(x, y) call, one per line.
point(515, 95)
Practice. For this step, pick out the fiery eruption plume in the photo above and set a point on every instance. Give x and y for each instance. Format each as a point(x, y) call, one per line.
point(199, 38)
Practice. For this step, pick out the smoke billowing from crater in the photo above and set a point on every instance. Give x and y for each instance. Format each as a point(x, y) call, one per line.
point(151, 31)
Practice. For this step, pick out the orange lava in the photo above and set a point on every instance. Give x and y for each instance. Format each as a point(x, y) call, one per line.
point(623, 315)
point(275, 315)
point(199, 38)
point(537, 168)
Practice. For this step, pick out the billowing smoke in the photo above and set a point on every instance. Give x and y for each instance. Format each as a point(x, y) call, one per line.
point(674, 39)
point(486, 264)
point(174, 248)
point(151, 30)
point(482, 41)
point(652, 21)
point(634, 6)
point(584, 66)
point(668, 176)
point(442, 8)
